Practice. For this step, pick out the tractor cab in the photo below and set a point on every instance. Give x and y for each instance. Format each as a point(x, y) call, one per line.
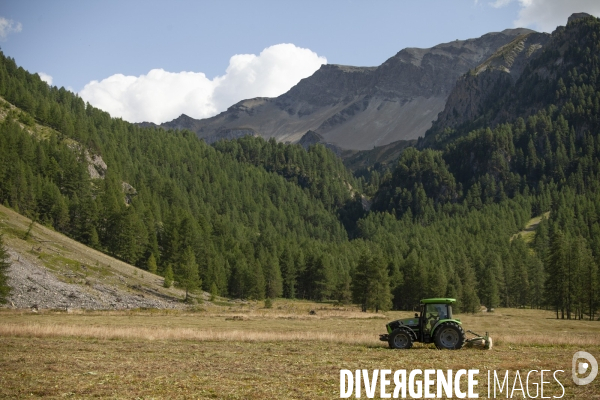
point(434, 324)
point(432, 312)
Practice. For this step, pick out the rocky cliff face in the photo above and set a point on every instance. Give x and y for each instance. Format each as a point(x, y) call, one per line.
point(358, 107)
point(311, 138)
point(509, 84)
point(486, 83)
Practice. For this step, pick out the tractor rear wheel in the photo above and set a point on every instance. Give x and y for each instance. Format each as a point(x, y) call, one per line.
point(449, 336)
point(400, 339)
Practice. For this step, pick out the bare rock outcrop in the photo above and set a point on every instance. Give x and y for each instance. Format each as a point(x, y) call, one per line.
point(96, 165)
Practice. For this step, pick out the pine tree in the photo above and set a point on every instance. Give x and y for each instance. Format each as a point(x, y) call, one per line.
point(555, 265)
point(288, 273)
point(256, 282)
point(537, 277)
point(371, 283)
point(152, 267)
point(240, 278)
point(489, 287)
point(214, 291)
point(168, 281)
point(187, 272)
point(268, 303)
point(273, 281)
point(579, 268)
point(343, 290)
point(470, 300)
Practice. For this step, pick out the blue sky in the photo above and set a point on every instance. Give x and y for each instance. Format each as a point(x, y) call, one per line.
point(79, 42)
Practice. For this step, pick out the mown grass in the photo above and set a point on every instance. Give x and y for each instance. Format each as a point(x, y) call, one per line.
point(248, 352)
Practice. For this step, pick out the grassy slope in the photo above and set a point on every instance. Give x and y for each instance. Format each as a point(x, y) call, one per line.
point(528, 233)
point(64, 256)
point(40, 131)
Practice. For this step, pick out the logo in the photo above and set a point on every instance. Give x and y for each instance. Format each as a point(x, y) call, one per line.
point(582, 367)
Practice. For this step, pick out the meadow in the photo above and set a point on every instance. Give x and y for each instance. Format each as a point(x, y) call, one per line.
point(244, 351)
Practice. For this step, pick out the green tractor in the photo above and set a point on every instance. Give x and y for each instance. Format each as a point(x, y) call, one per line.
point(435, 324)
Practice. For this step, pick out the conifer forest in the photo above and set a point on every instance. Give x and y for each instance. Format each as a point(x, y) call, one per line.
point(259, 219)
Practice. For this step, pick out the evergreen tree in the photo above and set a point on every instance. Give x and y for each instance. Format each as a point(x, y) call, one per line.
point(214, 291)
point(151, 263)
point(268, 303)
point(288, 272)
point(273, 281)
point(343, 290)
point(489, 293)
point(470, 299)
point(555, 290)
point(187, 272)
point(371, 283)
point(256, 282)
point(168, 280)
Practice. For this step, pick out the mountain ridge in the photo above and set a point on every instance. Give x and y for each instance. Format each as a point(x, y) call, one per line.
point(514, 82)
point(359, 107)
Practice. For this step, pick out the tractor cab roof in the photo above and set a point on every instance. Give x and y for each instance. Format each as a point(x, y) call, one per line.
point(438, 301)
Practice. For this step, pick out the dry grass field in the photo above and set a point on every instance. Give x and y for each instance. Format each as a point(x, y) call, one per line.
point(239, 350)
point(243, 351)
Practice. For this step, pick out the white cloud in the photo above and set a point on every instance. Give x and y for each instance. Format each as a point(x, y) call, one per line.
point(45, 77)
point(8, 26)
point(546, 15)
point(161, 96)
point(500, 3)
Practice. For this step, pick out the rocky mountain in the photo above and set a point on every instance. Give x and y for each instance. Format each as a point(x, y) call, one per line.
point(311, 138)
point(484, 84)
point(516, 81)
point(384, 155)
point(359, 107)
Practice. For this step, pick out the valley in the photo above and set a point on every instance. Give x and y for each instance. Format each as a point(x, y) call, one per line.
point(256, 253)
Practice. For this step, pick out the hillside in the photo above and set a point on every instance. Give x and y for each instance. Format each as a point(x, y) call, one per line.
point(243, 229)
point(49, 270)
point(483, 85)
point(538, 141)
point(358, 107)
point(517, 81)
point(541, 129)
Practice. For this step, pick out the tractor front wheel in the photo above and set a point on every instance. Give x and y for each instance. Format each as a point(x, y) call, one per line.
point(400, 339)
point(449, 336)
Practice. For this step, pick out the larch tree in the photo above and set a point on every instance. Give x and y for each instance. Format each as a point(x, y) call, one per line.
point(188, 276)
point(371, 283)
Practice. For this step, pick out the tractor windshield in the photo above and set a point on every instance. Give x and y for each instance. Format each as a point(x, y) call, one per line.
point(434, 313)
point(442, 311)
point(438, 311)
